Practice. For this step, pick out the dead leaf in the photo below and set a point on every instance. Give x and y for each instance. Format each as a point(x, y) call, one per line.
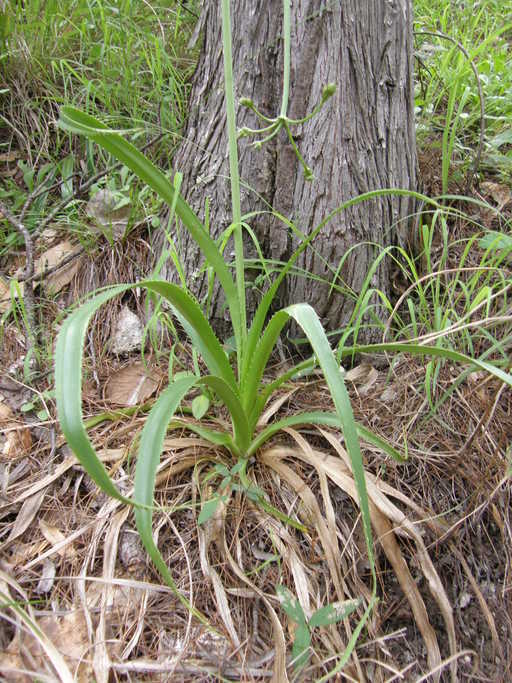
point(499, 193)
point(49, 234)
point(69, 636)
point(16, 439)
point(46, 581)
point(5, 296)
point(9, 156)
point(11, 664)
point(373, 376)
point(55, 537)
point(5, 412)
point(51, 259)
point(388, 395)
point(125, 599)
point(358, 374)
point(22, 553)
point(131, 385)
point(27, 512)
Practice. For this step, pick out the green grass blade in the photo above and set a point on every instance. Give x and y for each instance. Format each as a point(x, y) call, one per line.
point(329, 420)
point(150, 449)
point(75, 121)
point(302, 369)
point(419, 350)
point(68, 389)
point(260, 356)
point(308, 320)
point(212, 435)
point(238, 416)
point(196, 326)
point(266, 302)
point(306, 317)
point(69, 365)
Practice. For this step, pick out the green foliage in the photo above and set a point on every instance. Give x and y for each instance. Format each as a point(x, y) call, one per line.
point(243, 393)
point(447, 97)
point(457, 293)
point(39, 404)
point(122, 58)
point(322, 617)
point(235, 379)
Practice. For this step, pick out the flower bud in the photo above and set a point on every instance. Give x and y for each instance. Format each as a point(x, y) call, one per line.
point(328, 91)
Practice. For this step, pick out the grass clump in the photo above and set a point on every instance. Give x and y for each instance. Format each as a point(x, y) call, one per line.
point(123, 60)
point(463, 92)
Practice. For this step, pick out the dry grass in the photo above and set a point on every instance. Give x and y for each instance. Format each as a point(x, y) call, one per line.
point(442, 523)
point(71, 558)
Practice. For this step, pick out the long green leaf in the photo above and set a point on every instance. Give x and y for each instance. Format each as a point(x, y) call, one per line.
point(308, 320)
point(212, 435)
point(68, 389)
point(420, 350)
point(302, 369)
point(260, 356)
point(238, 416)
point(197, 327)
point(75, 121)
point(69, 367)
point(150, 450)
point(329, 420)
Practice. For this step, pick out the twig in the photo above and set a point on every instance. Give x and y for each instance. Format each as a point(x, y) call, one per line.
point(28, 277)
point(184, 5)
point(40, 190)
point(27, 238)
point(28, 273)
point(36, 277)
point(83, 187)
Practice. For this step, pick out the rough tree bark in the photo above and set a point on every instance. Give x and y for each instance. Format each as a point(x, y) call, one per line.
point(363, 138)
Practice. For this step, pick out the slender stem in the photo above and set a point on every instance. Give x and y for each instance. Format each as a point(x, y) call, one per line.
point(286, 64)
point(272, 134)
point(308, 173)
point(29, 298)
point(241, 333)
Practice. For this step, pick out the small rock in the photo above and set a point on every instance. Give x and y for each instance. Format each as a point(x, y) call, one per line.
point(464, 600)
point(128, 332)
point(131, 552)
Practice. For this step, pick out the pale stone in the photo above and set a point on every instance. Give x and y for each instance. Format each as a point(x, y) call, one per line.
point(128, 332)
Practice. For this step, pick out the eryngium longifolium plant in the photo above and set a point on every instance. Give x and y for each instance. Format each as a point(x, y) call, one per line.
point(237, 379)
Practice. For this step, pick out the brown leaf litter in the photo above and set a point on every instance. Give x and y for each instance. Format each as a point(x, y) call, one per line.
point(441, 523)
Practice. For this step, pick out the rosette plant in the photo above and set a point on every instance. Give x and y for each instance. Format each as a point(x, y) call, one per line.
point(235, 379)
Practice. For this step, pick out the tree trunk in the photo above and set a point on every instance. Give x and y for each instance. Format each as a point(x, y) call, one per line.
point(363, 139)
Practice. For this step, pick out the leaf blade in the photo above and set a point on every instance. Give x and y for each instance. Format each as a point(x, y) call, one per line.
point(76, 121)
point(150, 449)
